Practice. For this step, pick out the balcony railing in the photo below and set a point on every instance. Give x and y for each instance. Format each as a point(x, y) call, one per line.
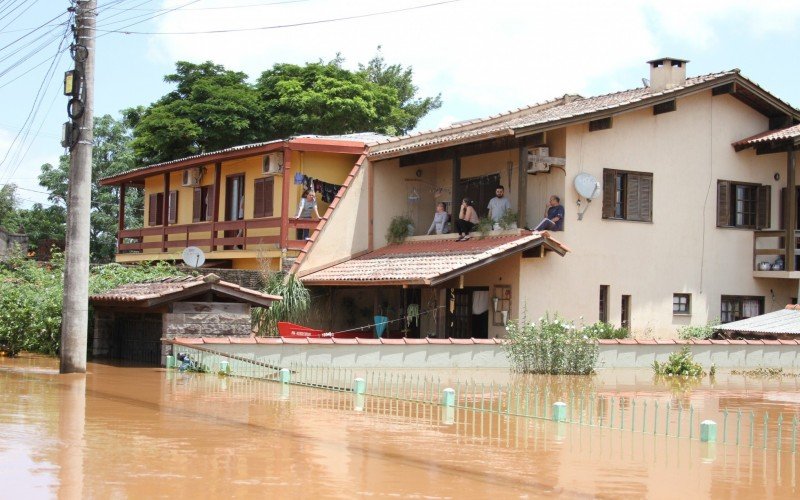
point(230, 235)
point(768, 246)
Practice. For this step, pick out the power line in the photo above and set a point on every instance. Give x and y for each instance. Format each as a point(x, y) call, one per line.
point(224, 7)
point(279, 26)
point(167, 11)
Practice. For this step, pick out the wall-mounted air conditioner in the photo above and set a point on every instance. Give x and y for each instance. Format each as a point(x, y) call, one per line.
point(273, 163)
point(192, 176)
point(540, 161)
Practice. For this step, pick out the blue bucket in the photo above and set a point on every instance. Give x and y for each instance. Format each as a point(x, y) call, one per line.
point(380, 325)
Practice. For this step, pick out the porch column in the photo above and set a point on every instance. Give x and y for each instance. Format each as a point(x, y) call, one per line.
point(287, 172)
point(121, 215)
point(215, 203)
point(456, 200)
point(522, 187)
point(790, 211)
point(165, 213)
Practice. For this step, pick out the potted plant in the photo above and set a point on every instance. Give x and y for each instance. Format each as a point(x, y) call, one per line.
point(484, 225)
point(400, 228)
point(508, 220)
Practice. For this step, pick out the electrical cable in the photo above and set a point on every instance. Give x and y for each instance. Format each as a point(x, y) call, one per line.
point(278, 26)
point(167, 11)
point(224, 7)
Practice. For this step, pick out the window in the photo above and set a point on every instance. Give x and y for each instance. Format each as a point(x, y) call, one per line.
point(203, 204)
point(736, 307)
point(600, 124)
point(682, 303)
point(743, 205)
point(155, 207)
point(627, 195)
point(664, 107)
point(263, 191)
point(625, 320)
point(603, 303)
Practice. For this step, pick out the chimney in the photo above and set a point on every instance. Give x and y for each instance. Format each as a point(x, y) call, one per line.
point(667, 73)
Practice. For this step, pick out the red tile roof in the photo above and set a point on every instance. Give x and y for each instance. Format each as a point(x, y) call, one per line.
point(164, 290)
point(788, 134)
point(429, 261)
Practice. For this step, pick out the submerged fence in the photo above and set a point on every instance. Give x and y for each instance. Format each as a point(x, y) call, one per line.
point(658, 416)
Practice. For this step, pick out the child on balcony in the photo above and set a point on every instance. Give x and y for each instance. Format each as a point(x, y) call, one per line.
point(308, 204)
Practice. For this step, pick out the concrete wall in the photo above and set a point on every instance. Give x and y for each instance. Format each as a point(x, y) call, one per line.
point(11, 243)
point(743, 356)
point(207, 319)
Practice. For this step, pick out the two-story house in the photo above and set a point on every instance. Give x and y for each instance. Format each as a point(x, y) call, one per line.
point(238, 205)
point(684, 219)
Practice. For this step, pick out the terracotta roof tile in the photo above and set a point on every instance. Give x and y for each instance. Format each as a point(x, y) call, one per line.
point(426, 261)
point(783, 135)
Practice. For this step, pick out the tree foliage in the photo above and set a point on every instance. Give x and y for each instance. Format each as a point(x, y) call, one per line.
point(112, 154)
point(212, 108)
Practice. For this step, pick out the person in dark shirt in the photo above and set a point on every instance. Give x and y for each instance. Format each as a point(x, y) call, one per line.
point(554, 216)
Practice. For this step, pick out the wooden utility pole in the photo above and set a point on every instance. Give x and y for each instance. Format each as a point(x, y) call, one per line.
point(75, 316)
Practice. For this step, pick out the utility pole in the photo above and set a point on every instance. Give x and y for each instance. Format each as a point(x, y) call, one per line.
point(79, 136)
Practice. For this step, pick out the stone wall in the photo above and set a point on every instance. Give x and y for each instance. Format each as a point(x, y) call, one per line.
point(207, 319)
point(10, 242)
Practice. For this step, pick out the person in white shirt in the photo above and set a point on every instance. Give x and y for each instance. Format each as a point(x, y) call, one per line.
point(308, 205)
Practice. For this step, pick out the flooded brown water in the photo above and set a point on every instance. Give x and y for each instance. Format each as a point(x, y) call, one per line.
point(126, 432)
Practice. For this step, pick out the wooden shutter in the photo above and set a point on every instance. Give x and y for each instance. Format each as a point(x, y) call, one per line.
point(646, 198)
point(723, 203)
point(210, 203)
point(197, 204)
point(608, 193)
point(269, 194)
point(152, 207)
point(632, 206)
point(763, 213)
point(258, 198)
point(173, 207)
point(160, 209)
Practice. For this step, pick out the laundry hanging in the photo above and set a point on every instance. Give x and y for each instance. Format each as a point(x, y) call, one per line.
point(327, 190)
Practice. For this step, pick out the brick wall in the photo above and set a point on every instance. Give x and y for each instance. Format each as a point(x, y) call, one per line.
point(242, 277)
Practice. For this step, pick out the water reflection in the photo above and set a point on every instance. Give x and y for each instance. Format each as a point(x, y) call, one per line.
point(139, 432)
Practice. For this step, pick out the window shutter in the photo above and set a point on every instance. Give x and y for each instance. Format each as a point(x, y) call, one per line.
point(763, 206)
point(646, 198)
point(269, 195)
point(160, 209)
point(723, 203)
point(152, 207)
point(210, 201)
point(608, 193)
point(173, 207)
point(632, 204)
point(197, 204)
point(258, 198)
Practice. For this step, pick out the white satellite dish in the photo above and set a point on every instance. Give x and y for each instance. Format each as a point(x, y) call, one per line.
point(587, 186)
point(193, 257)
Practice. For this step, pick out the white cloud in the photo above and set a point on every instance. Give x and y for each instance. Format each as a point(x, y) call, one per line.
point(483, 57)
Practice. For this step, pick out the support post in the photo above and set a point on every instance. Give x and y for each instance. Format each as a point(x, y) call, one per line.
point(215, 209)
point(287, 172)
point(449, 397)
point(121, 214)
point(165, 213)
point(75, 316)
point(360, 386)
point(456, 190)
point(790, 210)
point(708, 431)
point(522, 187)
point(560, 411)
point(285, 376)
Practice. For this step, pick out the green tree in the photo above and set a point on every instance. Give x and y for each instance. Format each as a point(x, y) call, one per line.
point(112, 154)
point(8, 207)
point(45, 226)
point(211, 108)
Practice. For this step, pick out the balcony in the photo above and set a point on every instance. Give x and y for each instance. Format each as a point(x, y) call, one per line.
point(210, 236)
point(769, 247)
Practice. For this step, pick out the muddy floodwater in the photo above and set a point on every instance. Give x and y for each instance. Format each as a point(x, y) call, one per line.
point(132, 432)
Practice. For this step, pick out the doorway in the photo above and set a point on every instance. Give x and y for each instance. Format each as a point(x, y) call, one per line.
point(467, 313)
point(478, 189)
point(234, 205)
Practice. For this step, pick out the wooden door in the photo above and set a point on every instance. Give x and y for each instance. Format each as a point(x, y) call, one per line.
point(480, 190)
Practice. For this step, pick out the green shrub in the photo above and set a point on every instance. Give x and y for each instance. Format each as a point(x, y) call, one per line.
point(294, 306)
point(508, 220)
point(552, 346)
point(484, 225)
point(399, 229)
point(680, 363)
point(31, 297)
point(701, 332)
point(602, 330)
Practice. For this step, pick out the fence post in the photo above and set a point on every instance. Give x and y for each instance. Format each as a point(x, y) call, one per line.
point(708, 431)
point(170, 361)
point(225, 367)
point(449, 397)
point(559, 411)
point(360, 386)
point(285, 376)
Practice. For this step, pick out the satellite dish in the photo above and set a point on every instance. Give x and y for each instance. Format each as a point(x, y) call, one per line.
point(587, 186)
point(193, 257)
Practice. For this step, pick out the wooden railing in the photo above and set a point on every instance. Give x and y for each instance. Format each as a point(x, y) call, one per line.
point(230, 235)
point(768, 244)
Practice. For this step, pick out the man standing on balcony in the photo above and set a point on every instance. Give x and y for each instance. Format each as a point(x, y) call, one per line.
point(308, 204)
point(498, 206)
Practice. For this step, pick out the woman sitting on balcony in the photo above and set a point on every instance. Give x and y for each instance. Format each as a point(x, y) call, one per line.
point(467, 218)
point(308, 204)
point(439, 224)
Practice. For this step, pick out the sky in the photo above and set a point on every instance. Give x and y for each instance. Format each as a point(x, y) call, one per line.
point(483, 57)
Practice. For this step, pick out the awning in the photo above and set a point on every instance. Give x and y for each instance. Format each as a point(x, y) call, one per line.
point(783, 137)
point(779, 324)
point(429, 261)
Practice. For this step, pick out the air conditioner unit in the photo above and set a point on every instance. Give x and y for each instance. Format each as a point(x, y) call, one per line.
point(273, 163)
point(192, 176)
point(535, 167)
point(537, 162)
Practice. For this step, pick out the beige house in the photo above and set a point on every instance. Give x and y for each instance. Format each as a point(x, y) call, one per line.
point(678, 217)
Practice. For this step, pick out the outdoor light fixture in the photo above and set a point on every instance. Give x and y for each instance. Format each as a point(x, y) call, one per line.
point(72, 83)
